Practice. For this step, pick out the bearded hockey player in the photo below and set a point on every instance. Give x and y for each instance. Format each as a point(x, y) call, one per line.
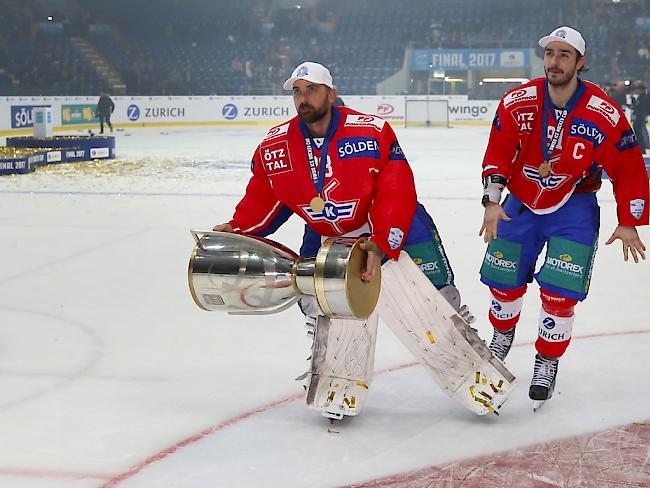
point(344, 173)
point(550, 141)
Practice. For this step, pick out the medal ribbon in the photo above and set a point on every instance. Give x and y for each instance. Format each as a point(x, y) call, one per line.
point(318, 173)
point(547, 150)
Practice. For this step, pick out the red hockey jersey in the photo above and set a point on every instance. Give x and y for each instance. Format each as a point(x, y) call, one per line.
point(595, 136)
point(367, 181)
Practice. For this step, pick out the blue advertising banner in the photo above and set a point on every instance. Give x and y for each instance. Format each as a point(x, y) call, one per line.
point(21, 115)
point(470, 59)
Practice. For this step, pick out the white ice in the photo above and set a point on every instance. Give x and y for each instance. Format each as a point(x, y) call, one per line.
point(107, 365)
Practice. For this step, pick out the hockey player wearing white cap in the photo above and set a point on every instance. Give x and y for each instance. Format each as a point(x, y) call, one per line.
point(345, 174)
point(550, 141)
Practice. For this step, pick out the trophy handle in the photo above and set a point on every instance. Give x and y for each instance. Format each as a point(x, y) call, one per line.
point(198, 235)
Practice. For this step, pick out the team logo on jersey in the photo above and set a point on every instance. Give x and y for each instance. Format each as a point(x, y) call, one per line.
point(358, 147)
point(628, 141)
point(275, 158)
point(334, 211)
point(605, 109)
point(520, 95)
point(278, 131)
point(362, 120)
point(395, 237)
point(549, 183)
point(588, 131)
point(636, 208)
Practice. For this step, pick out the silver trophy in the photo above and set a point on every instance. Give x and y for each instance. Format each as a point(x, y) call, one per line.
point(252, 275)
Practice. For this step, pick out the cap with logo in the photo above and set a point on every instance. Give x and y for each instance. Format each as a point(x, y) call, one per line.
point(314, 72)
point(565, 34)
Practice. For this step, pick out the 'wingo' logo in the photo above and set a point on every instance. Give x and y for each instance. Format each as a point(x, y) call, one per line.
point(229, 111)
point(133, 112)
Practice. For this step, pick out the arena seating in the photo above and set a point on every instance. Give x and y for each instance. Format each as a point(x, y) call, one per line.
point(240, 47)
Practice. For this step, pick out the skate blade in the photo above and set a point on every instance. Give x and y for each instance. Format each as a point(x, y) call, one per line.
point(332, 416)
point(537, 404)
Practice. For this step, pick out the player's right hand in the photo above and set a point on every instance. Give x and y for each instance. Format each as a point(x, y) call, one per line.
point(222, 228)
point(493, 213)
point(373, 261)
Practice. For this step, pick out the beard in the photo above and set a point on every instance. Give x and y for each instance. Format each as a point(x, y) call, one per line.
point(312, 115)
point(560, 79)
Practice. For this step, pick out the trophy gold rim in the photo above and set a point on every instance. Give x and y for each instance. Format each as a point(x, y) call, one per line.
point(190, 268)
point(362, 296)
point(319, 273)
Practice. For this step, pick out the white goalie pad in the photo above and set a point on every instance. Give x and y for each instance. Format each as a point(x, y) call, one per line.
point(343, 358)
point(440, 339)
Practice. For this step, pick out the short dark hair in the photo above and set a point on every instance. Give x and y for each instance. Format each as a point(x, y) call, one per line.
point(584, 68)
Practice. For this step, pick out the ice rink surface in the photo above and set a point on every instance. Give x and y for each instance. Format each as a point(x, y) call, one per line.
point(111, 376)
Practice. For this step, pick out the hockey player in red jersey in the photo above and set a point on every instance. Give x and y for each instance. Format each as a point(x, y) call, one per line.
point(550, 141)
point(344, 173)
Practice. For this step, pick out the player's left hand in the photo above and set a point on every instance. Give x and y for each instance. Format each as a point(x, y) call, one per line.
point(373, 263)
point(631, 242)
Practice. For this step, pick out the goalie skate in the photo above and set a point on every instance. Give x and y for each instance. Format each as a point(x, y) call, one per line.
point(342, 363)
point(441, 340)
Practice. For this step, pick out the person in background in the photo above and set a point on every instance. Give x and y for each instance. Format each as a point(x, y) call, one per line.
point(640, 106)
point(105, 108)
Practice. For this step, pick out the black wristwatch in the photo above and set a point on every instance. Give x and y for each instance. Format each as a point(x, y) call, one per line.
point(485, 200)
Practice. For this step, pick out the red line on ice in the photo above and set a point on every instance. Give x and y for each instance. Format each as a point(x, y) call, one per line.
point(619, 456)
point(52, 473)
point(540, 483)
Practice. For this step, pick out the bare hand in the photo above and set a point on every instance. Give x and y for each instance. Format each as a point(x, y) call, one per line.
point(631, 241)
point(493, 213)
point(223, 228)
point(373, 263)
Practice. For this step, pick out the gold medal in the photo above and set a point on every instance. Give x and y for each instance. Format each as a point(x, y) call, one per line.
point(317, 204)
point(544, 169)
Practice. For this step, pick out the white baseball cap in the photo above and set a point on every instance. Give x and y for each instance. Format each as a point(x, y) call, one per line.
point(565, 34)
point(314, 72)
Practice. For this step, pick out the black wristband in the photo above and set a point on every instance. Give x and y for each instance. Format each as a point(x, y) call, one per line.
point(485, 200)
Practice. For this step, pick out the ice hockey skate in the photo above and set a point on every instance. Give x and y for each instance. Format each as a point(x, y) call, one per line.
point(501, 343)
point(543, 382)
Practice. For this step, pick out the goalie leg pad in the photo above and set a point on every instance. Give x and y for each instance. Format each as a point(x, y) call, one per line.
point(440, 339)
point(342, 365)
